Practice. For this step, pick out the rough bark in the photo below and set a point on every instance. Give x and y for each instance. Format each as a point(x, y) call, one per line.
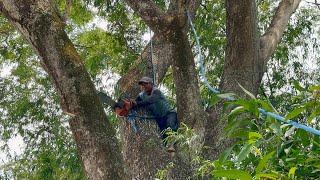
point(245, 63)
point(151, 14)
point(242, 48)
point(165, 52)
point(161, 58)
point(143, 152)
point(240, 67)
point(246, 59)
point(40, 23)
point(190, 110)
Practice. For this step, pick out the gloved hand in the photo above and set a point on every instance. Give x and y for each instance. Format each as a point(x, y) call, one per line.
point(124, 110)
point(134, 103)
point(128, 104)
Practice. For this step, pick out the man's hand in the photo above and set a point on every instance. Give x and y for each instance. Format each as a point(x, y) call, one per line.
point(134, 103)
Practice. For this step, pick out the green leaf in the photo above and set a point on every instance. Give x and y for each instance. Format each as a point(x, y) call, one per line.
point(236, 111)
point(298, 86)
point(266, 105)
point(232, 174)
point(314, 114)
point(314, 88)
point(239, 134)
point(263, 162)
point(244, 152)
point(289, 159)
point(249, 105)
point(292, 171)
point(214, 100)
point(266, 176)
point(276, 128)
point(295, 113)
point(226, 154)
point(253, 137)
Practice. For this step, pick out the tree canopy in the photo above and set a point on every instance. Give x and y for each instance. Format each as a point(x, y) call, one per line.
point(53, 57)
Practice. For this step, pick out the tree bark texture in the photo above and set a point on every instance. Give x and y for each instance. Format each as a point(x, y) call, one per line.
point(243, 62)
point(166, 50)
point(240, 67)
point(143, 151)
point(39, 22)
point(242, 48)
point(246, 58)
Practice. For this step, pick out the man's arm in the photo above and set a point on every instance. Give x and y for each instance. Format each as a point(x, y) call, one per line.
point(154, 97)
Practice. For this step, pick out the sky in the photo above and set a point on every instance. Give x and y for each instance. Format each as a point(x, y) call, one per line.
point(15, 144)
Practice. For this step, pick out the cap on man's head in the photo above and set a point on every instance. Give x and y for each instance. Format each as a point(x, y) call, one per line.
point(145, 80)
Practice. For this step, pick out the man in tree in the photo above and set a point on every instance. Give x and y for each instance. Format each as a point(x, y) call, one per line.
point(245, 63)
point(152, 99)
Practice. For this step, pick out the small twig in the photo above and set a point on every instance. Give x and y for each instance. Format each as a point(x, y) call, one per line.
point(314, 3)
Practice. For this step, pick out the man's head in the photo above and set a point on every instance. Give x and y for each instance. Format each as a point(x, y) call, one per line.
point(146, 84)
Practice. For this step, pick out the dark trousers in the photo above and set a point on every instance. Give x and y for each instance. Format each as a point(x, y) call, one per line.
point(168, 121)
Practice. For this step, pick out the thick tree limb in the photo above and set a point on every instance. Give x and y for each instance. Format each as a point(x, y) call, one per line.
point(137, 145)
point(151, 14)
point(162, 59)
point(178, 9)
point(240, 67)
point(245, 61)
point(273, 34)
point(39, 22)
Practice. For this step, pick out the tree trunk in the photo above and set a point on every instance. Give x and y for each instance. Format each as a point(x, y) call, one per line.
point(40, 23)
point(240, 67)
point(190, 110)
point(143, 151)
point(242, 48)
point(246, 59)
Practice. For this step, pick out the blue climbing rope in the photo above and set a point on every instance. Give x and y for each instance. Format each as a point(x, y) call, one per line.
point(262, 111)
point(202, 68)
point(132, 116)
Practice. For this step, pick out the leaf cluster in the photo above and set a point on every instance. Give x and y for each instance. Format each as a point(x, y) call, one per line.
point(265, 148)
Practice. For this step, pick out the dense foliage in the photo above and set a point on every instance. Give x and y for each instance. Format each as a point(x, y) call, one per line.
point(265, 148)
